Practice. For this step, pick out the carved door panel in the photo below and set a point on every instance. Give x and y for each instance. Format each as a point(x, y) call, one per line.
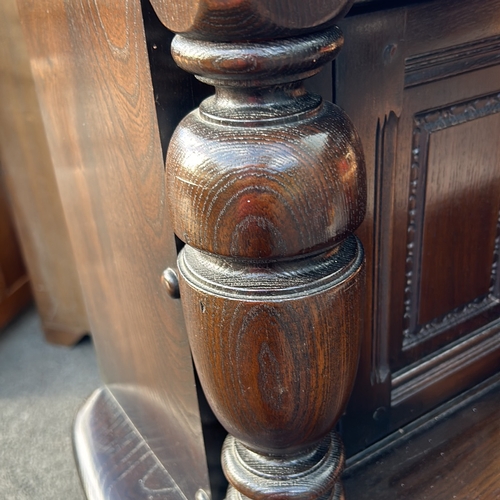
point(426, 100)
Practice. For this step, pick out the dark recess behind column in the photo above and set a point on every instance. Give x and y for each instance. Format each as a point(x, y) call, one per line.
point(364, 6)
point(176, 92)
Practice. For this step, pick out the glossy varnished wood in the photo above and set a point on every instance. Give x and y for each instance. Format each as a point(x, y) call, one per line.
point(29, 178)
point(114, 459)
point(246, 174)
point(460, 202)
point(91, 72)
point(256, 19)
point(451, 454)
point(425, 100)
point(267, 184)
point(251, 341)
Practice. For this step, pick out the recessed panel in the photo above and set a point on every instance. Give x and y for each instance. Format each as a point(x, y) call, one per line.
point(453, 231)
point(462, 202)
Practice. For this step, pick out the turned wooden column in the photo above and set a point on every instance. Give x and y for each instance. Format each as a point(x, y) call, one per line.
point(267, 184)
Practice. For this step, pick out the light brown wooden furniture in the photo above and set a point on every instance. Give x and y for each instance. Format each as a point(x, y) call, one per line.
point(27, 170)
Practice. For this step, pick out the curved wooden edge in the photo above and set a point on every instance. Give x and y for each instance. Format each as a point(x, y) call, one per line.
point(114, 460)
point(63, 336)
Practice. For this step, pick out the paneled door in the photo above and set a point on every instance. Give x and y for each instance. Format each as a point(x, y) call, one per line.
point(422, 85)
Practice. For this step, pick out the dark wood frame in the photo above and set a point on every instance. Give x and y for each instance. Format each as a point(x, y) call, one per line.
point(110, 172)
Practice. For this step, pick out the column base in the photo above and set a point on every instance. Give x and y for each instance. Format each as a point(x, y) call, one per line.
point(313, 475)
point(337, 494)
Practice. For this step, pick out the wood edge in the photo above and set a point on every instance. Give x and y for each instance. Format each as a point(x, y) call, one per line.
point(81, 449)
point(15, 302)
point(461, 371)
point(112, 457)
point(419, 426)
point(449, 354)
point(63, 336)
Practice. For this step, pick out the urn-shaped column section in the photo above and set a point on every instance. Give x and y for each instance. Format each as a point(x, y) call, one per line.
point(267, 184)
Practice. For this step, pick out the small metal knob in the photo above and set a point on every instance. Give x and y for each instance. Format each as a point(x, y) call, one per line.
point(202, 495)
point(172, 283)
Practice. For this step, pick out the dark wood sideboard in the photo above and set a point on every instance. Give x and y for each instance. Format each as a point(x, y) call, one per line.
point(252, 223)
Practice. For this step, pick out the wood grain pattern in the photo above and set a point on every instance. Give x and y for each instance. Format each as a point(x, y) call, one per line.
point(475, 184)
point(266, 167)
point(252, 20)
point(430, 241)
point(445, 160)
point(473, 95)
point(267, 185)
point(91, 71)
point(251, 342)
point(118, 464)
point(453, 454)
point(34, 195)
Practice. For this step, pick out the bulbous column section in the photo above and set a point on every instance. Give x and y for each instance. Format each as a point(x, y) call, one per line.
point(267, 185)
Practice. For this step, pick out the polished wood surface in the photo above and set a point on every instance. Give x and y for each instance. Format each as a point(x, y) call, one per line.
point(246, 175)
point(90, 66)
point(286, 207)
point(114, 459)
point(460, 202)
point(267, 184)
point(33, 192)
point(425, 99)
point(451, 454)
point(230, 21)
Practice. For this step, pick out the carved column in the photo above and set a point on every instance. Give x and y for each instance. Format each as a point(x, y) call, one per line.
point(267, 184)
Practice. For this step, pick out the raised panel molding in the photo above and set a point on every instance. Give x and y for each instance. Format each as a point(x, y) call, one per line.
point(451, 61)
point(425, 124)
point(385, 165)
point(444, 366)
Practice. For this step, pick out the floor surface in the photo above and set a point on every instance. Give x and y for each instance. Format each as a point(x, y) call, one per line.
point(41, 388)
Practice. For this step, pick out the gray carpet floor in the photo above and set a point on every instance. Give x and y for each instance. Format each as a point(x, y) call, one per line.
point(41, 388)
